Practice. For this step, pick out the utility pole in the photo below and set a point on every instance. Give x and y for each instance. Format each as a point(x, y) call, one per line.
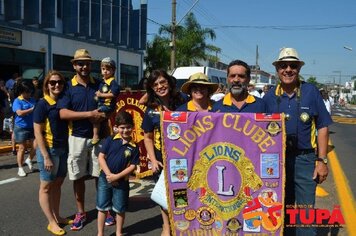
point(173, 42)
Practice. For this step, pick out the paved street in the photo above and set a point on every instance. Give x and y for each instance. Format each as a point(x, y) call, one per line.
point(21, 213)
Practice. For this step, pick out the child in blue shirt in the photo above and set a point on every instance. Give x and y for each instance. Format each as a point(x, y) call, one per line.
point(106, 95)
point(118, 159)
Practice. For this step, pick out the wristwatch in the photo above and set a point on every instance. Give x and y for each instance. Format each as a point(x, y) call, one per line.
point(323, 160)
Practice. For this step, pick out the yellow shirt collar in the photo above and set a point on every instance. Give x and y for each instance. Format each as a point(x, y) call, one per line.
point(228, 99)
point(75, 82)
point(20, 97)
point(50, 100)
point(279, 90)
point(118, 136)
point(108, 81)
point(191, 106)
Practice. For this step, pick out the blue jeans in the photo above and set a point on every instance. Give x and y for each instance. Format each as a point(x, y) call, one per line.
point(112, 197)
point(300, 188)
point(59, 158)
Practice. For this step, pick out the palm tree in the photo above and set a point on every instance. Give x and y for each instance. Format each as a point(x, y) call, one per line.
point(191, 45)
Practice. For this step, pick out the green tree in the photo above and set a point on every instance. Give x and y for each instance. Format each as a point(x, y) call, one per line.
point(191, 45)
point(157, 54)
point(312, 80)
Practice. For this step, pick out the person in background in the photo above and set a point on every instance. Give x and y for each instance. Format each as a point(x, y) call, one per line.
point(325, 96)
point(118, 159)
point(37, 92)
point(219, 93)
point(200, 89)
point(238, 99)
point(161, 96)
point(252, 89)
point(23, 125)
point(51, 135)
point(305, 114)
point(3, 101)
point(264, 90)
point(106, 95)
point(78, 106)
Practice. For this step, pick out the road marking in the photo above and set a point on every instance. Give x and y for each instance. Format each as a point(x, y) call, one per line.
point(344, 192)
point(344, 120)
point(6, 181)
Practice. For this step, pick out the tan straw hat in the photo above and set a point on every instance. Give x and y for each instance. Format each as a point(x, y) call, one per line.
point(81, 55)
point(288, 54)
point(199, 78)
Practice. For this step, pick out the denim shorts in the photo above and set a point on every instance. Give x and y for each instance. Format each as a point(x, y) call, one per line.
point(109, 197)
point(59, 159)
point(23, 134)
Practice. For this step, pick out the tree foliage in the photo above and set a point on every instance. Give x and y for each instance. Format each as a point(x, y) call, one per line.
point(312, 80)
point(191, 45)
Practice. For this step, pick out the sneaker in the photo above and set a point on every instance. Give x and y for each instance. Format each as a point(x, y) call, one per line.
point(29, 163)
point(21, 172)
point(78, 222)
point(110, 220)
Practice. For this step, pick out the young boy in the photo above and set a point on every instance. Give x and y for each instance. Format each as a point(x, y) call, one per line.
point(117, 159)
point(108, 91)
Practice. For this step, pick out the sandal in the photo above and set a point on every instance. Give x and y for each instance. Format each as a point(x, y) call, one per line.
point(65, 221)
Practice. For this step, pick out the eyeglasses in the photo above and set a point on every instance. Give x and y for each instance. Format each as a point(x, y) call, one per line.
point(163, 82)
point(83, 63)
point(54, 82)
point(284, 66)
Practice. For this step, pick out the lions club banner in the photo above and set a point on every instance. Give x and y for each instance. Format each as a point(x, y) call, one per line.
point(224, 172)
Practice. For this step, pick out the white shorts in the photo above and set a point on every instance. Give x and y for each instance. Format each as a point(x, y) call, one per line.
point(82, 161)
point(8, 125)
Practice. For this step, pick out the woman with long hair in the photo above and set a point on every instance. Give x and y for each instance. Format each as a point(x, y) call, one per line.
point(52, 152)
point(161, 96)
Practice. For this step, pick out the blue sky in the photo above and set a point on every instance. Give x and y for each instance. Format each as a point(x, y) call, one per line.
point(250, 24)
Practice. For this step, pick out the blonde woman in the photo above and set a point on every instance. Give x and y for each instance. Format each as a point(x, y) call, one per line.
point(52, 151)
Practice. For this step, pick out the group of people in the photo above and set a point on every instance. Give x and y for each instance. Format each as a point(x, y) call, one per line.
point(305, 112)
point(87, 147)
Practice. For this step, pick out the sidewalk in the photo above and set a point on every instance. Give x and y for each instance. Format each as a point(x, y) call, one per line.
point(5, 145)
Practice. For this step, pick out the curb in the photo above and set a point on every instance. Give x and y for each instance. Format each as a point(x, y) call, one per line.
point(5, 149)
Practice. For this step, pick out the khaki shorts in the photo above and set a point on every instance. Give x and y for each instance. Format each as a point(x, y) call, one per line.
point(82, 161)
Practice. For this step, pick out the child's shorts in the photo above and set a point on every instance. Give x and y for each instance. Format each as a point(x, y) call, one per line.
point(8, 125)
point(109, 197)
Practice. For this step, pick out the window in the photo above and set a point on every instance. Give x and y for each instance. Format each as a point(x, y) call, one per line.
point(128, 75)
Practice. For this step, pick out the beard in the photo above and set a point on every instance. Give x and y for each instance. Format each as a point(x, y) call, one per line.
point(237, 89)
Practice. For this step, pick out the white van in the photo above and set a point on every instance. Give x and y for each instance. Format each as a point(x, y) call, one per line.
point(182, 74)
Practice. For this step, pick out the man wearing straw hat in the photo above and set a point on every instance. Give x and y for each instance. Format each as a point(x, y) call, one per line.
point(77, 105)
point(305, 114)
point(238, 99)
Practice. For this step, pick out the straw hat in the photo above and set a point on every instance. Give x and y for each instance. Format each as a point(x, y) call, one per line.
point(81, 55)
point(288, 54)
point(199, 78)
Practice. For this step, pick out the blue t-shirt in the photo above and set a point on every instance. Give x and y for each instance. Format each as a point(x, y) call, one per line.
point(252, 105)
point(118, 155)
point(55, 129)
point(109, 86)
point(25, 121)
point(77, 97)
point(306, 111)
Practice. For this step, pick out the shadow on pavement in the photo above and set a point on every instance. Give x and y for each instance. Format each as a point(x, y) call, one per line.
point(144, 226)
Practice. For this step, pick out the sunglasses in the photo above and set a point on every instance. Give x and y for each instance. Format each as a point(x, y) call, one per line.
point(284, 66)
point(54, 82)
point(83, 63)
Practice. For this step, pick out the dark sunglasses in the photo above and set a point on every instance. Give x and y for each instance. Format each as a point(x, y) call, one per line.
point(284, 66)
point(83, 63)
point(54, 82)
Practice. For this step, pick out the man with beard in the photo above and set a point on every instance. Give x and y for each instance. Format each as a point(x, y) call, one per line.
point(238, 99)
point(78, 106)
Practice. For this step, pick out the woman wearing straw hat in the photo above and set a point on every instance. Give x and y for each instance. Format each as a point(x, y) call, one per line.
point(200, 89)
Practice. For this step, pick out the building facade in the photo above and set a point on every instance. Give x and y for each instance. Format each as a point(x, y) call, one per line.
point(39, 35)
